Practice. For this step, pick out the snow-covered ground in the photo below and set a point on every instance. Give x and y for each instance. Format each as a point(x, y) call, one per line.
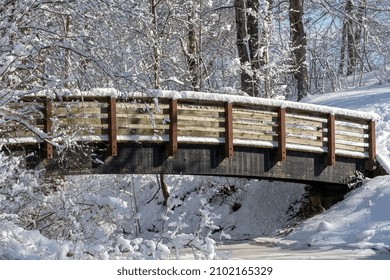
point(123, 217)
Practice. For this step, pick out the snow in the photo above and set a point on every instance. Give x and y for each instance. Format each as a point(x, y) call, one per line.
point(360, 221)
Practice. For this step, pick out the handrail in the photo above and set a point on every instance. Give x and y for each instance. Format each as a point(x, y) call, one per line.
point(198, 118)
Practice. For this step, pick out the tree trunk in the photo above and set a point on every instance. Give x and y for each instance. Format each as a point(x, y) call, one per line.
point(343, 46)
point(299, 45)
point(252, 23)
point(248, 44)
point(243, 54)
point(264, 47)
point(350, 38)
point(164, 189)
point(155, 39)
point(67, 63)
point(192, 51)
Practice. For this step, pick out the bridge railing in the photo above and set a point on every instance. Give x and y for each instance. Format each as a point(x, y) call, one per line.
point(280, 126)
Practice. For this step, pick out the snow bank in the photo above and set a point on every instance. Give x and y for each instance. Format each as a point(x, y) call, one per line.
point(360, 221)
point(123, 217)
point(17, 243)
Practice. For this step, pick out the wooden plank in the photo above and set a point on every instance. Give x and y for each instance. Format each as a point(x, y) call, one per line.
point(147, 121)
point(134, 105)
point(103, 131)
point(144, 115)
point(84, 99)
point(229, 148)
point(372, 146)
point(260, 130)
point(78, 106)
point(200, 133)
point(141, 131)
point(82, 111)
point(253, 122)
point(112, 129)
point(254, 117)
point(199, 118)
point(246, 112)
point(141, 111)
point(331, 157)
point(351, 138)
point(248, 136)
point(198, 107)
point(70, 121)
point(306, 132)
point(282, 154)
point(255, 107)
point(252, 130)
point(205, 128)
point(201, 123)
point(304, 141)
point(172, 127)
point(214, 112)
point(352, 148)
point(144, 126)
point(349, 120)
point(47, 128)
point(302, 123)
point(350, 129)
point(307, 116)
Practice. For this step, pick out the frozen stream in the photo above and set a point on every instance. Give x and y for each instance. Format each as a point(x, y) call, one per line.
point(252, 251)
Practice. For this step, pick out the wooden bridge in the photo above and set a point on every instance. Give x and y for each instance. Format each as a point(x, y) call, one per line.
point(191, 133)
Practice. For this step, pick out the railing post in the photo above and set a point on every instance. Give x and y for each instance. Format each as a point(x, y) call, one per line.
point(370, 164)
point(331, 158)
point(229, 149)
point(172, 127)
point(112, 132)
point(48, 126)
point(282, 134)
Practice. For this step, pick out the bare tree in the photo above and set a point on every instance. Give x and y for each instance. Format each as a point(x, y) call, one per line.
point(246, 12)
point(156, 48)
point(265, 42)
point(299, 45)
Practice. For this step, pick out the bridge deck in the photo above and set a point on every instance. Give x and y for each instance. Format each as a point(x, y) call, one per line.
point(227, 136)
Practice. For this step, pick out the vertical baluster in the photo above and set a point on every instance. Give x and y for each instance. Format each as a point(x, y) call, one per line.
point(229, 149)
point(331, 157)
point(282, 134)
point(172, 127)
point(112, 131)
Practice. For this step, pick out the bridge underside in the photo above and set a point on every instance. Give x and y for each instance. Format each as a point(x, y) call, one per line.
point(153, 158)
